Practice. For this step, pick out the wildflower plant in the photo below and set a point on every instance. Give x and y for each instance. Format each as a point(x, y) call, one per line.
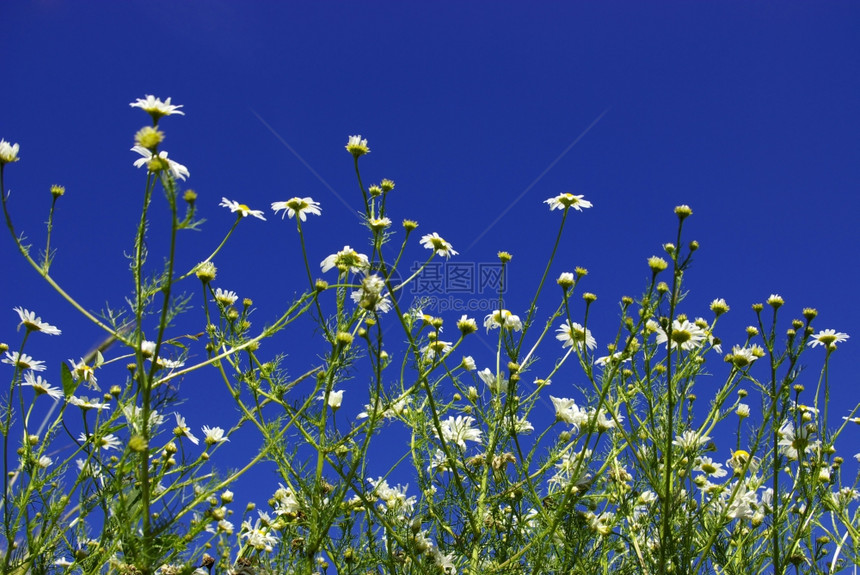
point(627, 471)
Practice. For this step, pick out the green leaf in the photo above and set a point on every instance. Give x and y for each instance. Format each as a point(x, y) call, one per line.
point(69, 385)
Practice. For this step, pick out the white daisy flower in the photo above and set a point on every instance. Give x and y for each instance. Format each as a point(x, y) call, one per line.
point(504, 319)
point(33, 323)
point(690, 440)
point(335, 399)
point(40, 386)
point(566, 200)
point(357, 146)
point(369, 295)
point(828, 338)
point(438, 245)
point(179, 171)
point(459, 430)
point(225, 297)
point(86, 403)
point(83, 372)
point(346, 259)
point(106, 442)
point(243, 210)
point(297, 207)
point(8, 152)
point(213, 435)
point(182, 430)
point(570, 333)
point(156, 108)
point(684, 333)
point(23, 361)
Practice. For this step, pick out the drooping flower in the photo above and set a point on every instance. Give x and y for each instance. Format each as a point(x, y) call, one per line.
point(33, 323)
point(40, 386)
point(298, 207)
point(285, 501)
point(8, 152)
point(567, 200)
point(244, 211)
point(156, 108)
point(182, 430)
point(158, 162)
point(459, 430)
point(504, 319)
point(828, 338)
point(438, 245)
point(345, 260)
point(573, 333)
point(23, 361)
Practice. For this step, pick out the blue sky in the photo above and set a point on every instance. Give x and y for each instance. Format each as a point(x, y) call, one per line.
point(746, 111)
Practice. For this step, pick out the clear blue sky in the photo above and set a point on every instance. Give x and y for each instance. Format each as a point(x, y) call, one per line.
point(746, 111)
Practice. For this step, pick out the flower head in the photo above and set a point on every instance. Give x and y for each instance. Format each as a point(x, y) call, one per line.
point(159, 162)
point(213, 435)
point(182, 430)
point(459, 430)
point(504, 319)
point(106, 442)
point(369, 295)
point(224, 297)
point(828, 338)
point(156, 108)
point(40, 386)
point(573, 333)
point(684, 333)
point(298, 207)
point(345, 260)
point(244, 211)
point(33, 323)
point(8, 152)
point(23, 361)
point(567, 411)
point(87, 404)
point(357, 146)
point(335, 399)
point(567, 200)
point(438, 245)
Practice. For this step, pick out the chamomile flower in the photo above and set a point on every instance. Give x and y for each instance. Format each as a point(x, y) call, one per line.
point(23, 361)
point(182, 430)
point(438, 245)
point(684, 333)
point(357, 146)
point(504, 319)
point(690, 440)
point(244, 211)
point(106, 442)
point(8, 152)
point(573, 333)
point(459, 430)
point(567, 411)
point(567, 200)
point(298, 207)
point(33, 323)
point(335, 399)
point(156, 108)
point(710, 467)
point(369, 295)
point(87, 404)
point(40, 386)
point(828, 338)
point(213, 435)
point(224, 297)
point(158, 162)
point(345, 260)
point(83, 372)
